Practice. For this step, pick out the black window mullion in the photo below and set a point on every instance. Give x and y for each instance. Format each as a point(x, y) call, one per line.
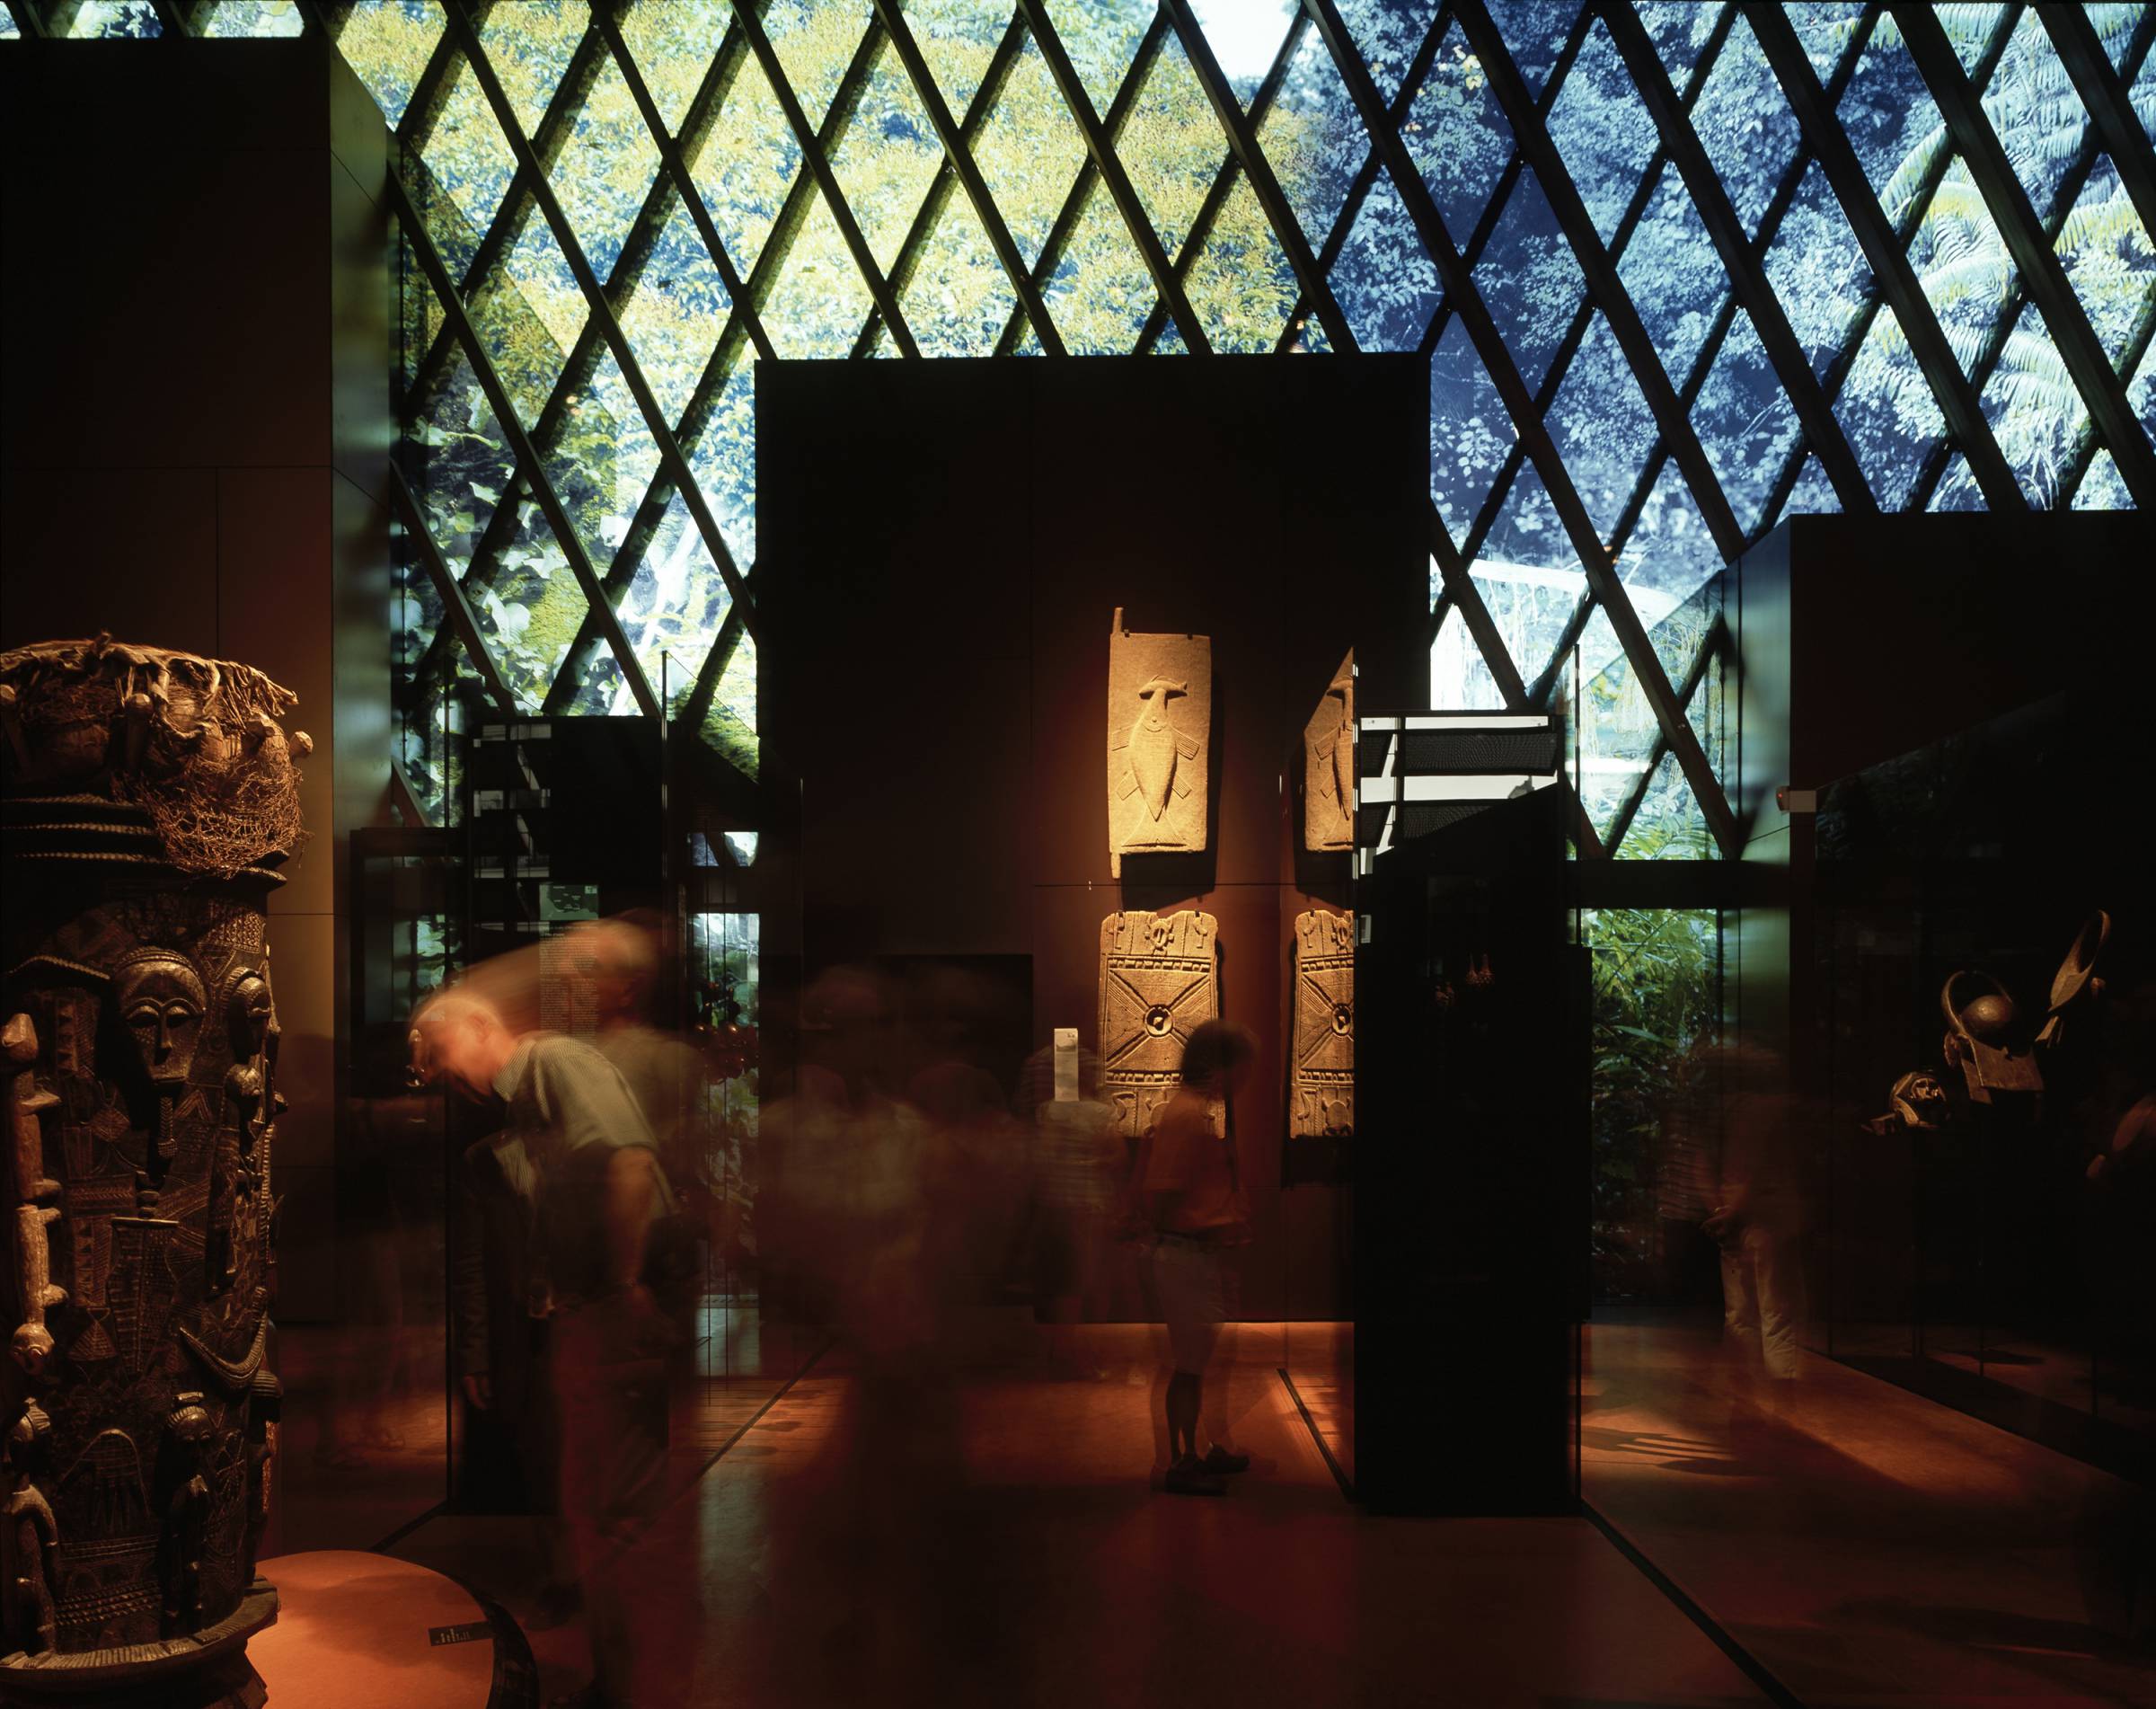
point(1891, 272)
point(520, 445)
point(1081, 194)
point(959, 154)
point(1599, 268)
point(1242, 142)
point(556, 125)
point(461, 619)
point(1217, 193)
point(931, 211)
point(703, 397)
point(1366, 176)
point(1114, 178)
point(2068, 193)
point(812, 150)
point(2070, 334)
point(1746, 272)
point(1519, 405)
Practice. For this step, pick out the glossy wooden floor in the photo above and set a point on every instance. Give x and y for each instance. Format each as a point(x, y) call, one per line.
point(994, 1537)
point(1868, 1545)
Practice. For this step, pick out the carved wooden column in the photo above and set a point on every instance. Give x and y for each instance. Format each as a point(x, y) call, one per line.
point(149, 799)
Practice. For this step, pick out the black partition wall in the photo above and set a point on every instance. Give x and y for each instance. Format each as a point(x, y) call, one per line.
point(944, 547)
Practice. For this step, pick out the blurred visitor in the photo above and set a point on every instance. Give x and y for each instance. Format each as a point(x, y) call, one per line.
point(1759, 1216)
point(1191, 1191)
point(578, 1155)
point(1078, 1169)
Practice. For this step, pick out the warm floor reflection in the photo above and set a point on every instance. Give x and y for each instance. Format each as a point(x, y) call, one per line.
point(364, 1443)
point(1869, 1546)
point(998, 1536)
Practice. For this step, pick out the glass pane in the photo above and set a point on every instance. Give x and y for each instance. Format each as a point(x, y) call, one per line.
point(1457, 135)
point(1469, 431)
point(1529, 279)
point(1029, 150)
point(1101, 293)
point(886, 160)
point(1240, 283)
point(1173, 145)
point(1245, 36)
point(1386, 286)
point(1744, 422)
point(1673, 275)
point(815, 43)
point(960, 298)
point(388, 42)
point(672, 42)
point(1745, 124)
point(529, 47)
point(1604, 131)
point(1601, 426)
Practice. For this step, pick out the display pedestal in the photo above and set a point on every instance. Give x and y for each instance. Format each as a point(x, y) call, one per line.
point(361, 1630)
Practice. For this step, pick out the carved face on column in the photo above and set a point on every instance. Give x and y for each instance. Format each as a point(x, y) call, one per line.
point(160, 999)
point(249, 1014)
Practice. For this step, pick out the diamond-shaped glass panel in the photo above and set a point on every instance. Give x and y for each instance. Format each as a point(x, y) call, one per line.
point(958, 38)
point(1387, 33)
point(387, 43)
point(1968, 28)
point(1241, 283)
point(1529, 279)
point(1460, 677)
point(819, 305)
point(2100, 488)
point(1962, 262)
point(256, 19)
point(1171, 147)
point(1469, 431)
point(113, 21)
point(1245, 36)
point(606, 170)
point(1456, 133)
point(468, 157)
point(2110, 259)
point(1314, 140)
point(1744, 422)
point(1668, 555)
point(529, 311)
point(1601, 426)
point(1387, 287)
point(888, 159)
point(1818, 270)
point(1030, 150)
point(1535, 31)
point(1887, 411)
point(672, 43)
point(1892, 122)
point(530, 46)
point(1957, 489)
point(1673, 275)
point(816, 40)
point(747, 165)
point(1745, 125)
point(1100, 293)
point(2034, 411)
point(673, 316)
point(1680, 30)
point(729, 724)
point(1602, 130)
point(959, 297)
point(1102, 37)
point(723, 460)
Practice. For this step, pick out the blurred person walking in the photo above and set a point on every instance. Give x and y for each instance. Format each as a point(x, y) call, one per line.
point(1190, 1192)
point(594, 1191)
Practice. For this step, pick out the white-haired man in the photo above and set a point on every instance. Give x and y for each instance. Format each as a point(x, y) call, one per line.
point(590, 1174)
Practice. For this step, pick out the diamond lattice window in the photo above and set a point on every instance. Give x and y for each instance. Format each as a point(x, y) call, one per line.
point(1679, 270)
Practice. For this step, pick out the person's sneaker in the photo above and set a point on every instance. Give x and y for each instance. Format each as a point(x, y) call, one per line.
point(1188, 1476)
point(1220, 1461)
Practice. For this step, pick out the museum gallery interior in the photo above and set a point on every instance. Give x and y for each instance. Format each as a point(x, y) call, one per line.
point(945, 852)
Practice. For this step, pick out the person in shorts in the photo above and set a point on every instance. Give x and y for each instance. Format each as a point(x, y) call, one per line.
point(1191, 1192)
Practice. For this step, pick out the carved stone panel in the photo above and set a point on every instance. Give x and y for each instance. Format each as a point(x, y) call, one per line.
point(1160, 721)
point(1329, 765)
point(1159, 981)
point(1321, 1086)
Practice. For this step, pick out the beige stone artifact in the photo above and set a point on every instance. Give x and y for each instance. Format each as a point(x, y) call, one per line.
point(1321, 1088)
point(1329, 765)
point(1160, 718)
point(1159, 981)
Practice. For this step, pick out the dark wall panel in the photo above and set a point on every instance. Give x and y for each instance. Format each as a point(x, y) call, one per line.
point(943, 547)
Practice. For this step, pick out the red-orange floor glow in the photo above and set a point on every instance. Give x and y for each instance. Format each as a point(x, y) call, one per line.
point(995, 1534)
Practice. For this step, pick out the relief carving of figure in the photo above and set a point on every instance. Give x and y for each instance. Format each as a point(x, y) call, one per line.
point(1160, 713)
point(31, 1537)
point(186, 1529)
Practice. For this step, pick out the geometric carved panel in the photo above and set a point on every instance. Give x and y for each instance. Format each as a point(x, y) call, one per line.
point(1321, 1087)
point(1159, 982)
point(1329, 765)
